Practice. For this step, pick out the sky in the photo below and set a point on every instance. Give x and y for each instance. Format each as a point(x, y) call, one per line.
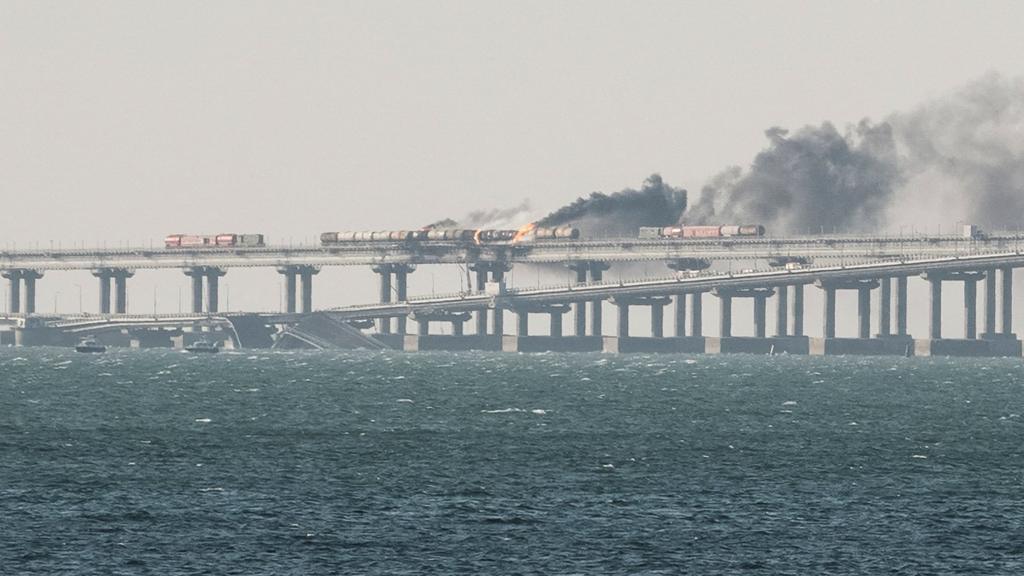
point(123, 121)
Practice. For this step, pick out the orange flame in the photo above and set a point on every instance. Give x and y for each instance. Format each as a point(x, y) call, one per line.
point(524, 232)
point(476, 236)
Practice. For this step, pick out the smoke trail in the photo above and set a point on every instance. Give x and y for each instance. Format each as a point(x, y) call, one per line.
point(814, 179)
point(498, 218)
point(622, 213)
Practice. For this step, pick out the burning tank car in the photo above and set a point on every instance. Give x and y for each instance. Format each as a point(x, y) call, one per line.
point(457, 235)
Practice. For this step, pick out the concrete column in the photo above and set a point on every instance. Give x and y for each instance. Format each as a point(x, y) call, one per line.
point(797, 329)
point(884, 307)
point(657, 320)
point(829, 313)
point(522, 323)
point(935, 308)
point(579, 309)
point(423, 327)
point(970, 309)
point(696, 314)
point(121, 291)
point(289, 288)
point(196, 274)
point(306, 274)
point(1006, 322)
point(14, 290)
point(104, 277)
point(596, 324)
point(481, 315)
point(901, 306)
point(782, 311)
point(679, 320)
point(457, 328)
point(760, 316)
point(213, 289)
point(29, 277)
point(384, 271)
point(864, 312)
point(497, 313)
point(990, 302)
point(401, 293)
point(622, 330)
point(498, 321)
point(556, 324)
point(725, 315)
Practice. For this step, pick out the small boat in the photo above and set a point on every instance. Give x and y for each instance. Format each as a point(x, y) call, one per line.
point(90, 345)
point(202, 346)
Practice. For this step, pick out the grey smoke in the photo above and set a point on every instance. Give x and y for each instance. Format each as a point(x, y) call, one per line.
point(815, 179)
point(622, 213)
point(955, 158)
point(511, 218)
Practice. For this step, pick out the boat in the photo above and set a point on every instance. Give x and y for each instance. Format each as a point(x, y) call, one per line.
point(90, 345)
point(202, 346)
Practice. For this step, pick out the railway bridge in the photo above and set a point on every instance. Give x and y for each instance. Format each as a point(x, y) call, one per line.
point(880, 287)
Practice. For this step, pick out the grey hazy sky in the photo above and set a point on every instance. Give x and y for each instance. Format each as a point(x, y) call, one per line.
point(128, 120)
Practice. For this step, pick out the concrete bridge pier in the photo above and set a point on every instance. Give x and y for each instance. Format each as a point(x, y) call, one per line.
point(211, 274)
point(884, 307)
point(989, 328)
point(579, 309)
point(196, 274)
point(306, 274)
point(490, 272)
point(797, 318)
point(213, 289)
point(863, 343)
point(1006, 295)
point(121, 277)
point(782, 311)
point(758, 343)
point(13, 290)
point(1003, 344)
point(290, 286)
point(696, 314)
point(679, 316)
point(597, 270)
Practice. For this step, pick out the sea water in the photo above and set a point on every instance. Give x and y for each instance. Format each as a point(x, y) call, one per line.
point(159, 462)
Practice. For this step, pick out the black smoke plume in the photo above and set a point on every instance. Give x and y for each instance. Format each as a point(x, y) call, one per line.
point(815, 179)
point(622, 213)
point(498, 218)
point(955, 158)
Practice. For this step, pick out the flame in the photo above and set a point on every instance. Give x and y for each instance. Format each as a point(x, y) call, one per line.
point(524, 232)
point(476, 236)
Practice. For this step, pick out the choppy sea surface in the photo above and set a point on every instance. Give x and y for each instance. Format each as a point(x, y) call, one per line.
point(157, 462)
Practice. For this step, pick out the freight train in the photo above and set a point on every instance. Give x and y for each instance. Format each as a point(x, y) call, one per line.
point(460, 235)
point(191, 241)
point(746, 230)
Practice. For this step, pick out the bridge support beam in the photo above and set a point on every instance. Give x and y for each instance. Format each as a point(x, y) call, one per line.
point(782, 311)
point(679, 319)
point(306, 274)
point(885, 307)
point(212, 275)
point(697, 314)
point(120, 277)
point(760, 296)
point(864, 312)
point(579, 309)
point(290, 287)
point(863, 288)
point(213, 289)
point(971, 309)
point(1006, 294)
point(901, 306)
point(797, 328)
point(989, 329)
point(657, 320)
point(401, 283)
point(13, 290)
